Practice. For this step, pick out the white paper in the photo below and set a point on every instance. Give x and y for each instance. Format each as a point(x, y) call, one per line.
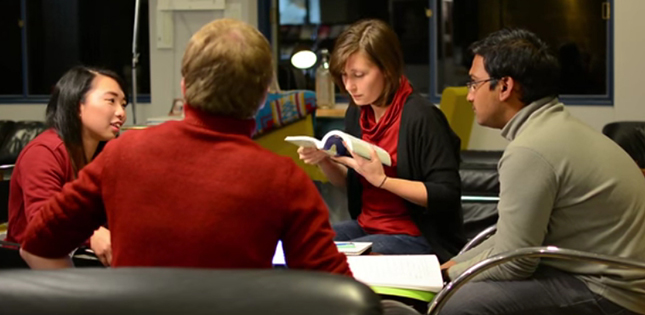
point(418, 272)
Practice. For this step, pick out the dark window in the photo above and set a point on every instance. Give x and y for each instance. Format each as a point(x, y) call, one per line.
point(60, 34)
point(315, 24)
point(577, 31)
point(11, 52)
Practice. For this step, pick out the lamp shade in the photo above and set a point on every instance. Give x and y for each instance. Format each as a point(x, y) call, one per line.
point(304, 59)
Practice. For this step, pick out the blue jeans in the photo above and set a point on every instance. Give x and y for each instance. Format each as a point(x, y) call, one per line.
point(548, 292)
point(389, 244)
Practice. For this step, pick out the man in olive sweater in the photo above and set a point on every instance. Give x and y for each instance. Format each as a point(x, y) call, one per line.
point(561, 184)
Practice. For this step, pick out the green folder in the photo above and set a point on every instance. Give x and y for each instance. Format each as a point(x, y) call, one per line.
point(408, 293)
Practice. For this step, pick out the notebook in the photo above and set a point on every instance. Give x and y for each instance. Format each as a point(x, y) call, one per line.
point(353, 248)
point(414, 276)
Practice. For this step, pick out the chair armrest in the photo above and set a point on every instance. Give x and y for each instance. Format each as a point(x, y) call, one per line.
point(482, 236)
point(9, 244)
point(6, 170)
point(531, 252)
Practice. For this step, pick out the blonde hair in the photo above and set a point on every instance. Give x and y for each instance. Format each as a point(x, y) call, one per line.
point(227, 69)
point(381, 46)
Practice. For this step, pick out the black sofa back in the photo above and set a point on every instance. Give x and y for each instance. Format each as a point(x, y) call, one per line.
point(183, 291)
point(629, 135)
point(479, 189)
point(14, 136)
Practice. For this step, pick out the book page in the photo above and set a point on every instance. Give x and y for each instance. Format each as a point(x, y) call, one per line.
point(418, 272)
point(304, 141)
point(356, 145)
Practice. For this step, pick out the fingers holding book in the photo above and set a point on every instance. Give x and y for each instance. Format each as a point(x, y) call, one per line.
point(371, 169)
point(311, 155)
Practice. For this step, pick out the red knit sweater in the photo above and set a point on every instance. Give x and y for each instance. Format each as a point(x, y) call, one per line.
point(41, 170)
point(192, 193)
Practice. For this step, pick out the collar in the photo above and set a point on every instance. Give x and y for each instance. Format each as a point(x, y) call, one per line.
point(219, 123)
point(514, 126)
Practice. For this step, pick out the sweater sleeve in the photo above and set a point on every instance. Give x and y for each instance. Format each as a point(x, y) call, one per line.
point(42, 176)
point(528, 188)
point(70, 217)
point(308, 242)
point(475, 251)
point(437, 152)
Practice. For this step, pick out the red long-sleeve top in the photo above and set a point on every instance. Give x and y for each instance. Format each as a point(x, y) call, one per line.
point(192, 193)
point(41, 170)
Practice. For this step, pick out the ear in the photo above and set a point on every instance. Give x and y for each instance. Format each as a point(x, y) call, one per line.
point(264, 100)
point(81, 107)
point(183, 88)
point(507, 86)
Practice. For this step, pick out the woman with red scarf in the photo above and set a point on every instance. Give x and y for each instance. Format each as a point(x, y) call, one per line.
point(413, 206)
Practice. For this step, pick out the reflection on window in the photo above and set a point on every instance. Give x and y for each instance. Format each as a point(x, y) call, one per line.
point(576, 31)
point(299, 12)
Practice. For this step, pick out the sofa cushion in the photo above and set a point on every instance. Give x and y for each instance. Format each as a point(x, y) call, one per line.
point(284, 108)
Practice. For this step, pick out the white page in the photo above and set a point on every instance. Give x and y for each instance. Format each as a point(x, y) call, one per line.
point(419, 272)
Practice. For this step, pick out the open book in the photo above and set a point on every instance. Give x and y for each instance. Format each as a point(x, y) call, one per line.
point(332, 143)
point(413, 276)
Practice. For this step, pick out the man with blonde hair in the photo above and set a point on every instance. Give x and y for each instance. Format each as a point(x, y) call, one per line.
point(197, 192)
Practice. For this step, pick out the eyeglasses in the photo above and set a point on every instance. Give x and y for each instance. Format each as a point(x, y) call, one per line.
point(473, 85)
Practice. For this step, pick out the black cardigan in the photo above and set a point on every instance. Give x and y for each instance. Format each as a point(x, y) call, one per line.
point(428, 151)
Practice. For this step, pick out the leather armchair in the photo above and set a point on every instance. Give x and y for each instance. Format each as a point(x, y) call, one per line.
point(183, 291)
point(629, 135)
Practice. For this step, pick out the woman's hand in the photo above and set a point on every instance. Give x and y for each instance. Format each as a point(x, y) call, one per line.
point(371, 169)
point(311, 155)
point(101, 244)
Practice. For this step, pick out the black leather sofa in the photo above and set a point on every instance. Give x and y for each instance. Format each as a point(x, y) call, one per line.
point(183, 291)
point(14, 136)
point(479, 190)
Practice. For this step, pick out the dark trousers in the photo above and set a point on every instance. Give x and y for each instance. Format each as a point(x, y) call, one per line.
point(548, 292)
point(389, 244)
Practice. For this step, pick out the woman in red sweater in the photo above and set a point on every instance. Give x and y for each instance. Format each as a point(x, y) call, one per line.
point(87, 107)
point(413, 206)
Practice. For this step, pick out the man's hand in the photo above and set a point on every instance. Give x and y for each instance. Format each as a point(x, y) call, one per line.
point(444, 270)
point(448, 264)
point(102, 245)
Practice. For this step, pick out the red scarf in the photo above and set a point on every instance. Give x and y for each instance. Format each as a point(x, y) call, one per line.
point(373, 132)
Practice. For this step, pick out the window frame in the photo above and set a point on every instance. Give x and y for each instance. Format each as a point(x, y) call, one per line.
point(568, 99)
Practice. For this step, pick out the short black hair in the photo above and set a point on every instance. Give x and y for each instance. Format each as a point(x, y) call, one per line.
point(521, 55)
point(62, 113)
